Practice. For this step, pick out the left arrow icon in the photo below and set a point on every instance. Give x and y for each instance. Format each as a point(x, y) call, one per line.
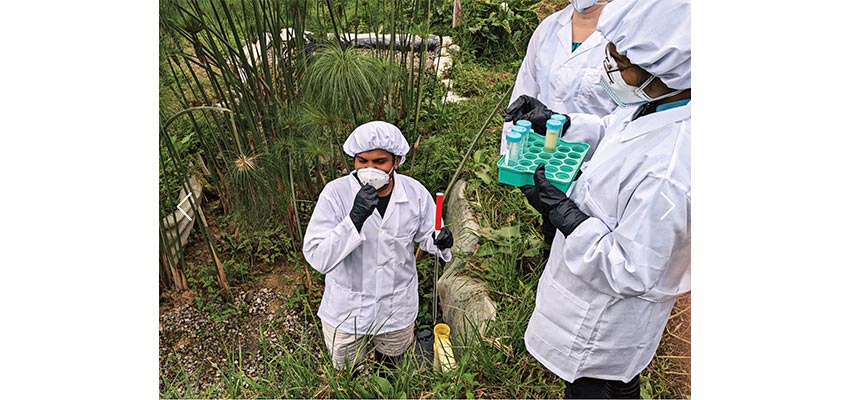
point(187, 215)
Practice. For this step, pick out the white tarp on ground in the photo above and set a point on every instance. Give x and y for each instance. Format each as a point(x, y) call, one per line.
point(465, 302)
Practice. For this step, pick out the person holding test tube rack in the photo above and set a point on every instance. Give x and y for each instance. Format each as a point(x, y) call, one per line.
point(622, 253)
point(361, 237)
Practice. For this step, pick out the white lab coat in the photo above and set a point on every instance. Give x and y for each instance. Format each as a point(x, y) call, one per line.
point(371, 285)
point(607, 290)
point(564, 81)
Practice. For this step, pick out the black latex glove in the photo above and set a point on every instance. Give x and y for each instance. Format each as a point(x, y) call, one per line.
point(566, 216)
point(532, 193)
point(531, 109)
point(543, 196)
point(548, 231)
point(444, 239)
point(550, 201)
point(365, 202)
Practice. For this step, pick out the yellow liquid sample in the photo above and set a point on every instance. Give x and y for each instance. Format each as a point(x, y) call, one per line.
point(551, 141)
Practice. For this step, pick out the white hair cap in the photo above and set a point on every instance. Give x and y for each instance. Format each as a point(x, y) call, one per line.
point(653, 34)
point(376, 135)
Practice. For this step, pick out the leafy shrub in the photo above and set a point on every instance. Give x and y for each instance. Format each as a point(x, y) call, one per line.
point(470, 79)
point(496, 31)
point(342, 80)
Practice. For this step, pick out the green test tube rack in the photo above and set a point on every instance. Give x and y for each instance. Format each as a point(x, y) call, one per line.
point(562, 165)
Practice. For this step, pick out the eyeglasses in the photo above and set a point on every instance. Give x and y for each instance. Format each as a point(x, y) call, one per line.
point(609, 70)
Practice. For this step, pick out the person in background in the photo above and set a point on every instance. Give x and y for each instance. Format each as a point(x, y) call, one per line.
point(361, 237)
point(561, 69)
point(622, 252)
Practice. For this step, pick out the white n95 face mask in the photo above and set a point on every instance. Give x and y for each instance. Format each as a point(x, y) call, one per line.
point(622, 93)
point(581, 5)
point(373, 176)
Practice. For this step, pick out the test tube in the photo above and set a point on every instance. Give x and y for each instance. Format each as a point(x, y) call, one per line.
point(527, 125)
point(553, 132)
point(524, 123)
point(513, 140)
point(560, 117)
point(523, 132)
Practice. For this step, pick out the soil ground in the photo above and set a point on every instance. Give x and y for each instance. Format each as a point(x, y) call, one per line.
point(672, 362)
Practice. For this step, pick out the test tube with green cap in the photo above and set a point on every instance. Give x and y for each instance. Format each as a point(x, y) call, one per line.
point(523, 135)
point(553, 132)
point(513, 139)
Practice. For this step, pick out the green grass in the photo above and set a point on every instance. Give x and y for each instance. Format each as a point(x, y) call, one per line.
point(297, 366)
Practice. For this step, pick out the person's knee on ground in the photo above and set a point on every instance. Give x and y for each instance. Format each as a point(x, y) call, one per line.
point(391, 346)
point(346, 350)
point(389, 362)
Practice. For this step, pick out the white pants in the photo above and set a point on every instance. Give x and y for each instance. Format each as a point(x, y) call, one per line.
point(349, 349)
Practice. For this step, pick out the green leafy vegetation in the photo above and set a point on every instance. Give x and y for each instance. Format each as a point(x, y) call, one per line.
point(494, 31)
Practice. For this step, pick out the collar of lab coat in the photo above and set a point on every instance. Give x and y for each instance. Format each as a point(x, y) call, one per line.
point(651, 122)
point(566, 16)
point(565, 34)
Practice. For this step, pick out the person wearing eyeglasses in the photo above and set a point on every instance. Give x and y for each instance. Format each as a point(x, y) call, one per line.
point(622, 252)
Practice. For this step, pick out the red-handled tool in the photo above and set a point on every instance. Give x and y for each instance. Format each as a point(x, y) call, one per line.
point(438, 224)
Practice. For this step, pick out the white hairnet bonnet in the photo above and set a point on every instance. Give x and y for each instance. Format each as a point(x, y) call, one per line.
point(654, 34)
point(376, 135)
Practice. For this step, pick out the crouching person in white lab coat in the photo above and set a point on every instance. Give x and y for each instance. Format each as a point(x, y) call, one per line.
point(623, 248)
point(361, 237)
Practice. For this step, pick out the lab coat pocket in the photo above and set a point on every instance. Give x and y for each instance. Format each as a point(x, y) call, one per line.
point(399, 262)
point(591, 96)
point(343, 302)
point(403, 247)
point(566, 311)
point(561, 87)
point(405, 301)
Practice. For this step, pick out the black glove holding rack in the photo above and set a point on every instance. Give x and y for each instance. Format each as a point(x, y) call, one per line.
point(528, 108)
point(549, 201)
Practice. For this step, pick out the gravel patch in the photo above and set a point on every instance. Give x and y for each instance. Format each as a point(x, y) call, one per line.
point(197, 346)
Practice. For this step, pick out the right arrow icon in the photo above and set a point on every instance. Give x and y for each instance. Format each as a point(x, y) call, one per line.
point(672, 206)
